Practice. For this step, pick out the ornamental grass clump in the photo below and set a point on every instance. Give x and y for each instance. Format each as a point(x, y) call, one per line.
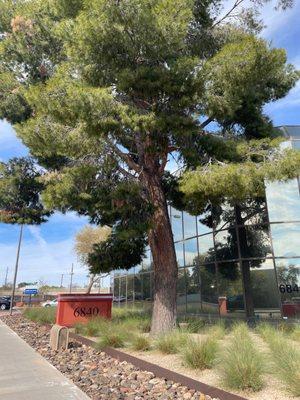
point(286, 356)
point(41, 315)
point(200, 354)
point(217, 331)
point(141, 343)
point(171, 343)
point(112, 339)
point(242, 365)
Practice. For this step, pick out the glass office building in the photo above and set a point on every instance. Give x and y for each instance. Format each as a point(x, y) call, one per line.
point(261, 236)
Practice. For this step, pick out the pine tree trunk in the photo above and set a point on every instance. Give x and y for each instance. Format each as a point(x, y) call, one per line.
point(164, 260)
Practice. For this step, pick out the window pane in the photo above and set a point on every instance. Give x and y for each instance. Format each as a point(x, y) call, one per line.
point(181, 292)
point(226, 245)
point(288, 273)
point(146, 286)
point(206, 248)
point(209, 291)
point(193, 290)
point(264, 287)
point(223, 216)
point(176, 220)
point(283, 201)
point(116, 287)
point(130, 287)
point(189, 222)
point(205, 222)
point(123, 288)
point(286, 239)
point(255, 241)
point(179, 254)
point(138, 295)
point(254, 211)
point(190, 251)
point(231, 287)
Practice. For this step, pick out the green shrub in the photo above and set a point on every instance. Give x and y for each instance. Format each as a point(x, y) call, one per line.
point(295, 335)
point(80, 328)
point(171, 343)
point(200, 354)
point(141, 343)
point(112, 339)
point(195, 325)
point(96, 326)
point(286, 356)
point(41, 315)
point(242, 364)
point(217, 331)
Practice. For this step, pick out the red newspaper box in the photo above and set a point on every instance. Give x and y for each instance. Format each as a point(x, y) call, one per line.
point(74, 308)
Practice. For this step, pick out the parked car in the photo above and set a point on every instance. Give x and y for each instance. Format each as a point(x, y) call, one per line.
point(49, 303)
point(4, 303)
point(119, 299)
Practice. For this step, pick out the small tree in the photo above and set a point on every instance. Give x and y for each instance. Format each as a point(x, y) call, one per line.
point(85, 241)
point(20, 202)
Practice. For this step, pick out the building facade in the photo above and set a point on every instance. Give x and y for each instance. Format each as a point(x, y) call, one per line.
point(214, 250)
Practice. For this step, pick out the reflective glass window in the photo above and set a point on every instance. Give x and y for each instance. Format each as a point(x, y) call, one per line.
point(206, 248)
point(223, 216)
point(231, 287)
point(116, 288)
point(138, 290)
point(130, 287)
point(123, 288)
point(190, 251)
point(208, 289)
point(283, 201)
point(226, 245)
point(193, 290)
point(179, 254)
point(286, 239)
point(146, 286)
point(288, 274)
point(255, 241)
point(189, 223)
point(181, 291)
point(205, 222)
point(176, 221)
point(254, 211)
point(264, 287)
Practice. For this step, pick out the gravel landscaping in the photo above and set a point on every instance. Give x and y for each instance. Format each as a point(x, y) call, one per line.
point(97, 374)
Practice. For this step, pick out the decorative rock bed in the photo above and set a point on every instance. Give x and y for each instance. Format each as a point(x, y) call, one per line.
point(97, 374)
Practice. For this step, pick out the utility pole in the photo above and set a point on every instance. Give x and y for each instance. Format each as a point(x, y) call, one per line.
point(6, 275)
point(61, 280)
point(16, 271)
point(71, 278)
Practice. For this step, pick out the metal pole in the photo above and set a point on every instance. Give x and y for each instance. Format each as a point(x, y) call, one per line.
point(16, 271)
point(71, 279)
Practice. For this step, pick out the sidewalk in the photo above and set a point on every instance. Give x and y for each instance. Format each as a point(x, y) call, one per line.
point(25, 375)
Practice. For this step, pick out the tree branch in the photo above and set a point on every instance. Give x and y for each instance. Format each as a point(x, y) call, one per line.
point(125, 157)
point(228, 14)
point(206, 122)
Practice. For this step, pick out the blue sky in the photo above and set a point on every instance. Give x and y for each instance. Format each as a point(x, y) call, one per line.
point(48, 250)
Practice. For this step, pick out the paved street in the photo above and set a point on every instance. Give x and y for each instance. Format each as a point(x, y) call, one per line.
point(24, 374)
